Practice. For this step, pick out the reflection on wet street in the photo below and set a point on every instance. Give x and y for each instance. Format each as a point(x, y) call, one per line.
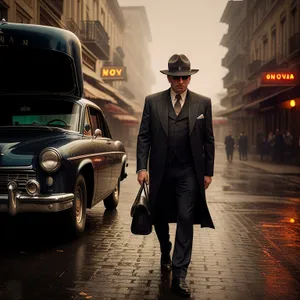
point(252, 254)
point(253, 182)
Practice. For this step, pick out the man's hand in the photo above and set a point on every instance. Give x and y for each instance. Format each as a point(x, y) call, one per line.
point(207, 181)
point(141, 176)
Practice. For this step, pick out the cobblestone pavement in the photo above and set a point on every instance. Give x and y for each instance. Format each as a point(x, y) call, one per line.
point(252, 254)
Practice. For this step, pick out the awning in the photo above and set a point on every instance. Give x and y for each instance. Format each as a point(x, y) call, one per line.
point(229, 111)
point(126, 119)
point(114, 109)
point(113, 90)
point(130, 103)
point(267, 97)
point(93, 93)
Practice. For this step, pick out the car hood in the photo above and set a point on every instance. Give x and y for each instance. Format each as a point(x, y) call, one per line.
point(20, 147)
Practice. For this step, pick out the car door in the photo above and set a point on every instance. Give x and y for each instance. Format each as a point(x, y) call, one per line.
point(116, 154)
point(102, 158)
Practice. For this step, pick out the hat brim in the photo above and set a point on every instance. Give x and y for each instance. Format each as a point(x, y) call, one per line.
point(180, 73)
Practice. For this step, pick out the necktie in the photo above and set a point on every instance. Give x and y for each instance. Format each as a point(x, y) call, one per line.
point(177, 106)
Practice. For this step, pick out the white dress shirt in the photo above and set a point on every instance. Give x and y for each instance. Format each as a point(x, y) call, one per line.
point(182, 100)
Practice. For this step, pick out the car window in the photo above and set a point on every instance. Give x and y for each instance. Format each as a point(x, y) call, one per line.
point(26, 111)
point(87, 121)
point(106, 131)
point(99, 122)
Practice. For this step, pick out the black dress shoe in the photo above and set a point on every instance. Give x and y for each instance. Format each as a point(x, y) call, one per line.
point(180, 287)
point(165, 260)
point(166, 263)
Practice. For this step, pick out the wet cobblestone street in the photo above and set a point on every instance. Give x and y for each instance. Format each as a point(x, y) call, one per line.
point(252, 254)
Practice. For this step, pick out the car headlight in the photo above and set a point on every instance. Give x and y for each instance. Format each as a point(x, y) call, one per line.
point(50, 160)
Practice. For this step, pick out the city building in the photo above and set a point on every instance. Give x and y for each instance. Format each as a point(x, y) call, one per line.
point(271, 96)
point(235, 60)
point(137, 36)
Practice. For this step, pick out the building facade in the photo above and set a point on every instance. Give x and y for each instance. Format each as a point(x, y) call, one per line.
point(137, 36)
point(271, 95)
point(235, 60)
point(100, 25)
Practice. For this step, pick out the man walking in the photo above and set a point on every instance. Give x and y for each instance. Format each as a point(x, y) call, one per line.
point(176, 134)
point(229, 146)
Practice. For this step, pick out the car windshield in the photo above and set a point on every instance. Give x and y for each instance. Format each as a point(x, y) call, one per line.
point(40, 112)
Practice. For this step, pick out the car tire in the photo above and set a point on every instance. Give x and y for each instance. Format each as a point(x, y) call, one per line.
point(112, 201)
point(76, 216)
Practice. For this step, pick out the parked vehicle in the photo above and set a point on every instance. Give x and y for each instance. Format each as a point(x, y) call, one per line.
point(56, 151)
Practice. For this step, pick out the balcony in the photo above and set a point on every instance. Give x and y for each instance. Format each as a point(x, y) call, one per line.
point(294, 44)
point(254, 67)
point(231, 81)
point(269, 65)
point(95, 38)
point(72, 26)
point(225, 40)
point(226, 101)
point(232, 54)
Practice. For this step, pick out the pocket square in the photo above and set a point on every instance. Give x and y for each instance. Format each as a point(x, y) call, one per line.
point(200, 117)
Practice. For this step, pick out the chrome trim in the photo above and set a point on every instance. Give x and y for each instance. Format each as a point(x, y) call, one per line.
point(19, 176)
point(12, 201)
point(38, 187)
point(94, 154)
point(22, 168)
point(59, 159)
point(16, 202)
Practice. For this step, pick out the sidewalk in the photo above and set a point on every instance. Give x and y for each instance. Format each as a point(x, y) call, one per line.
point(270, 167)
point(273, 168)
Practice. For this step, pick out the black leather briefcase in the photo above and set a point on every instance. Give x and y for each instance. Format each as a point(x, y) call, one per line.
point(141, 223)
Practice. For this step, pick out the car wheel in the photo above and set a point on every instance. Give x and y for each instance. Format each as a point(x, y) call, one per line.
point(77, 214)
point(112, 201)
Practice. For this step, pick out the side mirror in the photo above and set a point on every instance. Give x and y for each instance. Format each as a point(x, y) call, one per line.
point(98, 132)
point(87, 127)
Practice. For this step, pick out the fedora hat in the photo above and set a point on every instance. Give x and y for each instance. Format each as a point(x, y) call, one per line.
point(179, 65)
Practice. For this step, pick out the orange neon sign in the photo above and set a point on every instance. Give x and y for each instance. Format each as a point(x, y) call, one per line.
point(278, 78)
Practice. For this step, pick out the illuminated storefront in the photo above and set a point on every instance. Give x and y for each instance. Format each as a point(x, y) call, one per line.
point(273, 102)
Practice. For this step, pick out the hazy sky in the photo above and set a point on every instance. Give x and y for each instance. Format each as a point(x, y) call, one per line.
point(191, 27)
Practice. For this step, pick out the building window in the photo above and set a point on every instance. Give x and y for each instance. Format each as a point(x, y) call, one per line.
point(273, 43)
point(22, 17)
point(257, 54)
point(283, 36)
point(78, 10)
point(96, 10)
point(87, 13)
point(103, 20)
point(3, 12)
point(293, 22)
point(265, 50)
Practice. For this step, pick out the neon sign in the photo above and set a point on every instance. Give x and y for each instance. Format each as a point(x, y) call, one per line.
point(113, 73)
point(278, 78)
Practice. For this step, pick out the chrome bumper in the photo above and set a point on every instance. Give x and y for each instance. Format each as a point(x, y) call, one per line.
point(15, 202)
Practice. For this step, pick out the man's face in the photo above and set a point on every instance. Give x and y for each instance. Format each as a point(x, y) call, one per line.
point(179, 84)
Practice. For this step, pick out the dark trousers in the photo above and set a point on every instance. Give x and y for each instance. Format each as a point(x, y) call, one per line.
point(229, 154)
point(178, 191)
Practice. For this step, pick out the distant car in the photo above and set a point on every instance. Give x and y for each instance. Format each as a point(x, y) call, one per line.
point(56, 150)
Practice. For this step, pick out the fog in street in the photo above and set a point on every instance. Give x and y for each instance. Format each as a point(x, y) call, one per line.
point(191, 27)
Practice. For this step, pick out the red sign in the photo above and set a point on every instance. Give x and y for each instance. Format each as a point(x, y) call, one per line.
point(279, 78)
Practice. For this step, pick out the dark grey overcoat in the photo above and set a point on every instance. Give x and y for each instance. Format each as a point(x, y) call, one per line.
point(152, 143)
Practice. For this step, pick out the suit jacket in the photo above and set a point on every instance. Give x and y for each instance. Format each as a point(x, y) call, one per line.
point(152, 143)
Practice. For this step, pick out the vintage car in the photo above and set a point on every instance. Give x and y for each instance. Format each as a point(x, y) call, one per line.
point(56, 151)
